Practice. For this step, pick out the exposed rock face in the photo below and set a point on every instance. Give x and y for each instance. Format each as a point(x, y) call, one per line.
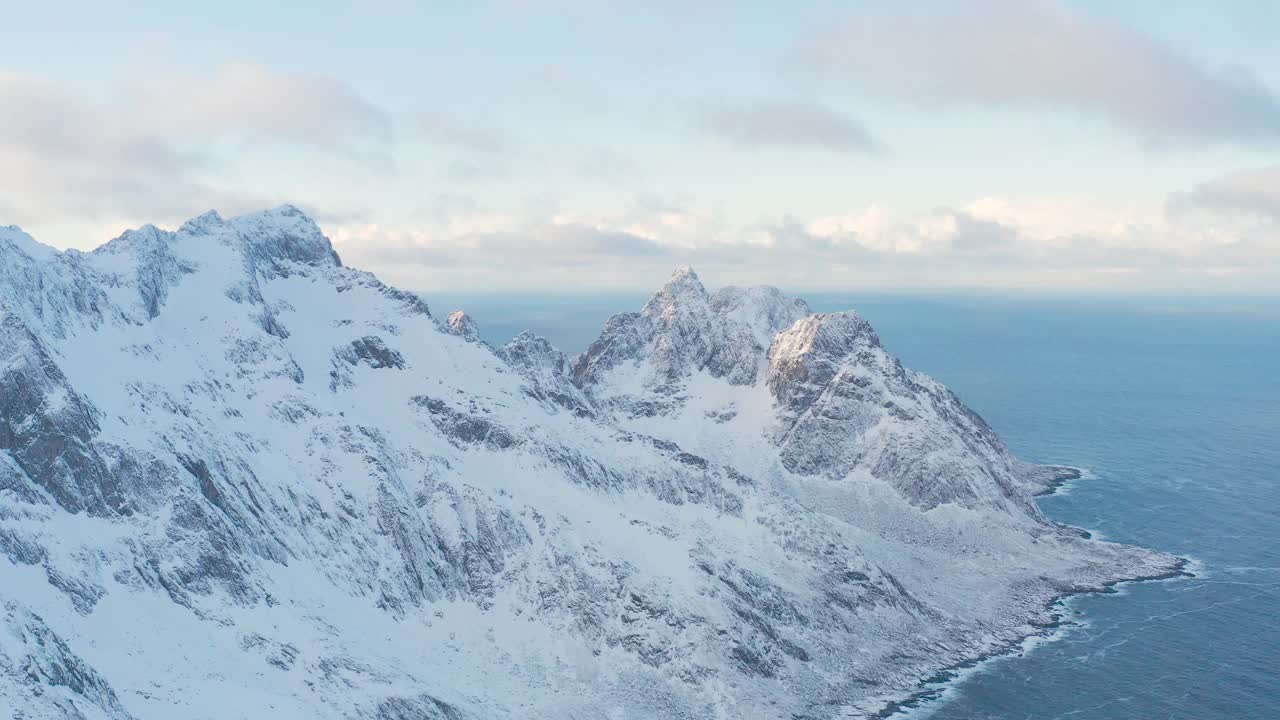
point(548, 370)
point(279, 239)
point(41, 677)
point(227, 460)
point(47, 429)
point(372, 351)
point(148, 252)
point(845, 403)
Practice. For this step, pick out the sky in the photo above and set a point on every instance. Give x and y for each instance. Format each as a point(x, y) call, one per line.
point(563, 144)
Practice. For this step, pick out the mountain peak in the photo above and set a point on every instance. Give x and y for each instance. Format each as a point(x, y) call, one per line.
point(684, 328)
point(24, 242)
point(286, 233)
point(684, 271)
point(685, 277)
point(461, 324)
point(762, 309)
point(532, 351)
point(681, 290)
point(830, 336)
point(146, 235)
point(271, 236)
point(203, 224)
point(288, 210)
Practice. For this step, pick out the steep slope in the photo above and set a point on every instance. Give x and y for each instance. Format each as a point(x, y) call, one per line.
point(239, 479)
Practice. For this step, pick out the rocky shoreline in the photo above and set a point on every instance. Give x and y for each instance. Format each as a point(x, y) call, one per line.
point(1053, 606)
point(1063, 474)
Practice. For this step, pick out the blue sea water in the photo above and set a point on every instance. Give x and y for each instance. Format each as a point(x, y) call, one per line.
point(1172, 406)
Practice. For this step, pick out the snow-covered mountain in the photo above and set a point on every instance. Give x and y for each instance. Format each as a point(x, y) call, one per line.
point(240, 480)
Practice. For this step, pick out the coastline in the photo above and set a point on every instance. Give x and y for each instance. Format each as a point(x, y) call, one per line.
point(933, 687)
point(1063, 474)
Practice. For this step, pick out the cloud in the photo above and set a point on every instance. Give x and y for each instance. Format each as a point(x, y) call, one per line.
point(572, 242)
point(69, 158)
point(1253, 192)
point(1036, 53)
point(969, 234)
point(149, 152)
point(262, 104)
point(792, 235)
point(993, 241)
point(545, 244)
point(783, 123)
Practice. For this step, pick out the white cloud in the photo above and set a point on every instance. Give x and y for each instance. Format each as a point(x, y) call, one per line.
point(64, 157)
point(1037, 53)
point(994, 241)
point(259, 103)
point(1252, 192)
point(512, 253)
point(150, 152)
point(784, 123)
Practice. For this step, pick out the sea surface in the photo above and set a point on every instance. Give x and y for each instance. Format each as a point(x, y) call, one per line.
point(1172, 408)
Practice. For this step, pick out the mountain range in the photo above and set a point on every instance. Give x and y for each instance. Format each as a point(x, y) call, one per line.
point(239, 479)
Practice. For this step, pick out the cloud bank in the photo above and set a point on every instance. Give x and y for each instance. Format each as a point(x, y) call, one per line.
point(1255, 191)
point(147, 152)
point(992, 241)
point(1037, 54)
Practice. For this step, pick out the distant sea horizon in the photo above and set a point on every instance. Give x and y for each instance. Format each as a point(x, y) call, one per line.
point(571, 319)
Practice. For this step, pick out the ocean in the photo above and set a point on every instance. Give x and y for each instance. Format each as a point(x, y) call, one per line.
point(1171, 406)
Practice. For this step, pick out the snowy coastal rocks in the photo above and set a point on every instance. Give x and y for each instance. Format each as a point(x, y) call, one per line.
point(228, 460)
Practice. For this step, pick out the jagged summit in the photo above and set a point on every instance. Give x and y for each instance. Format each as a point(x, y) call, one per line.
point(683, 292)
point(683, 330)
point(461, 324)
point(683, 274)
point(831, 336)
point(274, 235)
point(290, 230)
point(17, 238)
point(141, 235)
point(531, 350)
point(762, 309)
point(203, 224)
point(64, 289)
point(287, 233)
